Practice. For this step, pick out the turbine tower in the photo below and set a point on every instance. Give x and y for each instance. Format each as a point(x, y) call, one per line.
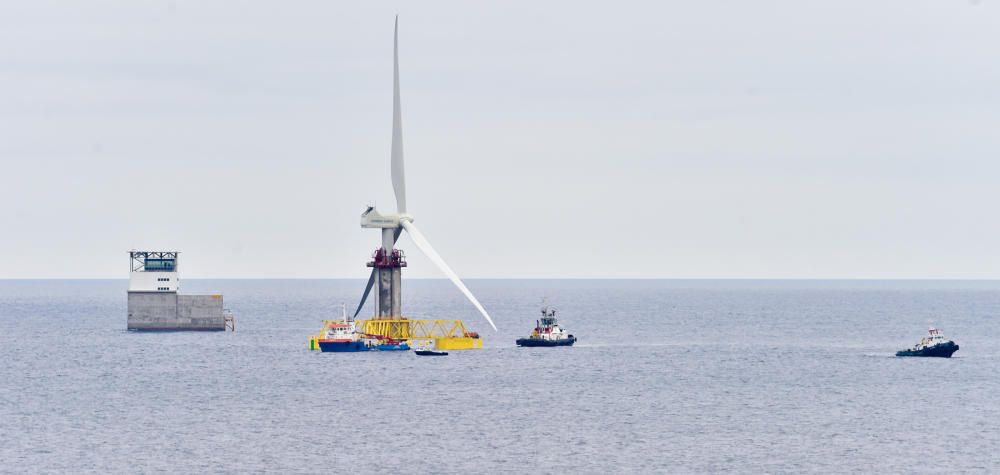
point(388, 262)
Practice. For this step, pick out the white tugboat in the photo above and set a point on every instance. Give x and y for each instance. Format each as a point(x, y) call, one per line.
point(547, 331)
point(934, 345)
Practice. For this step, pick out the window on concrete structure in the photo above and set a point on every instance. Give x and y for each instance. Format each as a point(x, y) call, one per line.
point(160, 265)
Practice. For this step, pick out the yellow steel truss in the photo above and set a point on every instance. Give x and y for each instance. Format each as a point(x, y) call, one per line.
point(446, 334)
point(405, 329)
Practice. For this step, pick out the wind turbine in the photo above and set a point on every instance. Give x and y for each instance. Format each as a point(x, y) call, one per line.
point(388, 262)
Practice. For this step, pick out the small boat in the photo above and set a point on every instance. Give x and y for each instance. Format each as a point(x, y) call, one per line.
point(933, 345)
point(547, 332)
point(426, 348)
point(392, 345)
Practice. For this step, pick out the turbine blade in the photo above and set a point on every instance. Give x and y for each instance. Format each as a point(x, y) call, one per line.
point(425, 246)
point(368, 289)
point(398, 177)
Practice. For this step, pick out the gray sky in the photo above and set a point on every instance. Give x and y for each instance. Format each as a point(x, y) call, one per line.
point(645, 139)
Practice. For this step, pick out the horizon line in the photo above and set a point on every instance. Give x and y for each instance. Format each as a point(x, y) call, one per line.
point(957, 279)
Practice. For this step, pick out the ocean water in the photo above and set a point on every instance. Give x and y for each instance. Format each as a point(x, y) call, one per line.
point(668, 376)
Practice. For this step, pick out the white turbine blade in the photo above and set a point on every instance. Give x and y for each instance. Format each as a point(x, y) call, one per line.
point(398, 177)
point(425, 246)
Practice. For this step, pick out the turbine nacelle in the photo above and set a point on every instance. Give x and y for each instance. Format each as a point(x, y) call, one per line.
point(371, 218)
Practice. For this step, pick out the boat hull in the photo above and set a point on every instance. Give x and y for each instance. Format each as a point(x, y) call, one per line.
point(342, 346)
point(431, 353)
point(944, 350)
point(393, 347)
point(538, 342)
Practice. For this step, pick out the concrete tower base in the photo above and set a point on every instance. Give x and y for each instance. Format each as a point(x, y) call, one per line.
point(168, 311)
point(389, 292)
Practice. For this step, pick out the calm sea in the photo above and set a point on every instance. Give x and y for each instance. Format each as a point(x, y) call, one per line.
point(667, 376)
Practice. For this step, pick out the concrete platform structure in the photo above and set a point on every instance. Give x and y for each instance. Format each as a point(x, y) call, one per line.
point(154, 303)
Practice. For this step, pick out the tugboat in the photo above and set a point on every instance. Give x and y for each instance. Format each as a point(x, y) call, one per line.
point(547, 332)
point(342, 336)
point(933, 345)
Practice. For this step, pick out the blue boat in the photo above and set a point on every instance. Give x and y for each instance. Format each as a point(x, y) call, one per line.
point(341, 337)
point(349, 346)
point(393, 346)
point(424, 348)
point(338, 346)
point(935, 345)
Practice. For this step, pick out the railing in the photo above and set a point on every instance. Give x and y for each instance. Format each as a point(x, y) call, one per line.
point(405, 329)
point(229, 319)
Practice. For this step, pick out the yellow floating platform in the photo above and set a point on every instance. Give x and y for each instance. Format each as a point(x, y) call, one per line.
point(439, 334)
point(458, 343)
point(444, 334)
